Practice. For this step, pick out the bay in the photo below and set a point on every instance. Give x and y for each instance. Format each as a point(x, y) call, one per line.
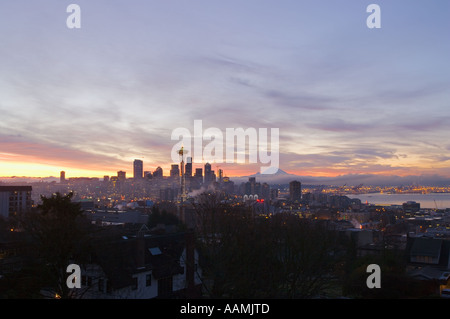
point(429, 201)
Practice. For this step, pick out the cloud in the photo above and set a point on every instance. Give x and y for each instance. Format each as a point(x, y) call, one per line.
point(117, 88)
point(16, 149)
point(299, 101)
point(342, 126)
point(425, 124)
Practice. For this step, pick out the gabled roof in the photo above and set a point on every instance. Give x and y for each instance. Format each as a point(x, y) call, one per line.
point(429, 247)
point(426, 247)
point(431, 273)
point(165, 253)
point(119, 258)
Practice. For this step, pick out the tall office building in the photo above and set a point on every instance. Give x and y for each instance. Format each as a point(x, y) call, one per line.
point(295, 191)
point(14, 199)
point(121, 175)
point(188, 169)
point(220, 175)
point(274, 192)
point(175, 171)
point(148, 175)
point(138, 169)
point(265, 191)
point(62, 177)
point(198, 178)
point(208, 174)
point(158, 173)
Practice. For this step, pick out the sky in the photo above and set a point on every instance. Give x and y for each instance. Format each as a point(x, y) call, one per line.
point(346, 98)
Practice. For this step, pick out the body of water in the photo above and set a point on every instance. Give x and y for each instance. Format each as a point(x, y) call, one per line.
point(432, 200)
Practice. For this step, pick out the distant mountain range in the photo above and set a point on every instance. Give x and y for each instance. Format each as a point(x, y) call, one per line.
point(281, 177)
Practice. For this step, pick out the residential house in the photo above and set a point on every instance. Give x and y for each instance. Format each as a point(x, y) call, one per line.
point(429, 259)
point(143, 266)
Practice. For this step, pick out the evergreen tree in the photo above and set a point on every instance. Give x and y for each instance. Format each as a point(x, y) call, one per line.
point(60, 236)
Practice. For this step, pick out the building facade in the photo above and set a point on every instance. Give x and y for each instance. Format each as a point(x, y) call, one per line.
point(138, 169)
point(144, 267)
point(295, 191)
point(14, 200)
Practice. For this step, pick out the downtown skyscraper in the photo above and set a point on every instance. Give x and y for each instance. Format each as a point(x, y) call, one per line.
point(138, 169)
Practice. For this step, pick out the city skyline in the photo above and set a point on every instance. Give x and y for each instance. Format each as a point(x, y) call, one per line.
point(348, 100)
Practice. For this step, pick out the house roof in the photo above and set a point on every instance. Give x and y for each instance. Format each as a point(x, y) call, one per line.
point(120, 260)
point(431, 247)
point(426, 247)
point(430, 273)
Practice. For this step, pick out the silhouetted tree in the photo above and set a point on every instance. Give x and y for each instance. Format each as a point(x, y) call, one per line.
point(208, 211)
point(246, 256)
point(60, 236)
point(395, 283)
point(158, 216)
point(308, 253)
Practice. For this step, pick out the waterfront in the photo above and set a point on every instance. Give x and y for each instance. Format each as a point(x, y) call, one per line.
point(431, 200)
